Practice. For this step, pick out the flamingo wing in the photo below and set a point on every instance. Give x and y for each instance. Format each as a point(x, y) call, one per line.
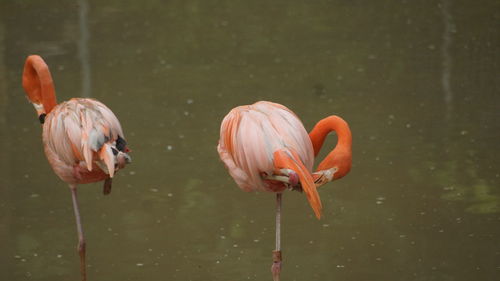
point(84, 132)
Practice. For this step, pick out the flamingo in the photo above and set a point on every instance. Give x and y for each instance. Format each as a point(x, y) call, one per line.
point(82, 138)
point(265, 147)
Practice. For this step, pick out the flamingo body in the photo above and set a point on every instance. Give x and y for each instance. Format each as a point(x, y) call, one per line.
point(80, 138)
point(259, 140)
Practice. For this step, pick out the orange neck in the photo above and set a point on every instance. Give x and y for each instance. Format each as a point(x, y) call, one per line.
point(37, 82)
point(341, 156)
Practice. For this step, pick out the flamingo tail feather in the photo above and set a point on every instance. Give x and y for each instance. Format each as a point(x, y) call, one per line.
point(286, 160)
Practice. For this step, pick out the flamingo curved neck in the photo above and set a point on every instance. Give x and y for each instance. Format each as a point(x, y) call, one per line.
point(338, 161)
point(327, 125)
point(38, 84)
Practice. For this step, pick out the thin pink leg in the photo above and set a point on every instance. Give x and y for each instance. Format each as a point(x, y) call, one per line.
point(276, 267)
point(81, 239)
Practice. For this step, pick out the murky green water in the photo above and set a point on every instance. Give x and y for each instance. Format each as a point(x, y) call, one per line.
point(418, 81)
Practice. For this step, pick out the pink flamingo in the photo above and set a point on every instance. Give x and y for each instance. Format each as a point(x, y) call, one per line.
point(265, 147)
point(82, 138)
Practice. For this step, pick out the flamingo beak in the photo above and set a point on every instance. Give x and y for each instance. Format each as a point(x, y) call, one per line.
point(293, 178)
point(324, 176)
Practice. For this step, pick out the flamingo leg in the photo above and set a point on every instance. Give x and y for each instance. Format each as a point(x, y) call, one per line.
point(276, 266)
point(81, 239)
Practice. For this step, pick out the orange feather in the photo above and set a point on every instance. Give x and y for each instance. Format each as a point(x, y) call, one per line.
point(283, 160)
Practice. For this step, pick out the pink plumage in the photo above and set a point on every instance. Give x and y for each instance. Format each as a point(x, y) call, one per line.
point(250, 137)
point(79, 138)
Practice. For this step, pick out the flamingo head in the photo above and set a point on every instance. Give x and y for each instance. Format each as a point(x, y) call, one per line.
point(282, 179)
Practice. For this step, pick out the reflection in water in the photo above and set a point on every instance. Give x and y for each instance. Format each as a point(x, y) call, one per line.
point(477, 194)
point(5, 213)
point(449, 28)
point(83, 47)
point(479, 197)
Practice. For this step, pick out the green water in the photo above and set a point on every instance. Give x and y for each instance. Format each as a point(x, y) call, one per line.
point(418, 82)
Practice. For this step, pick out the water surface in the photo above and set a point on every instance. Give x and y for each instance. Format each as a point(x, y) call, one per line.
point(416, 80)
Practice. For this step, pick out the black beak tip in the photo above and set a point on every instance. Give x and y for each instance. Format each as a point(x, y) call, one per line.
point(41, 117)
